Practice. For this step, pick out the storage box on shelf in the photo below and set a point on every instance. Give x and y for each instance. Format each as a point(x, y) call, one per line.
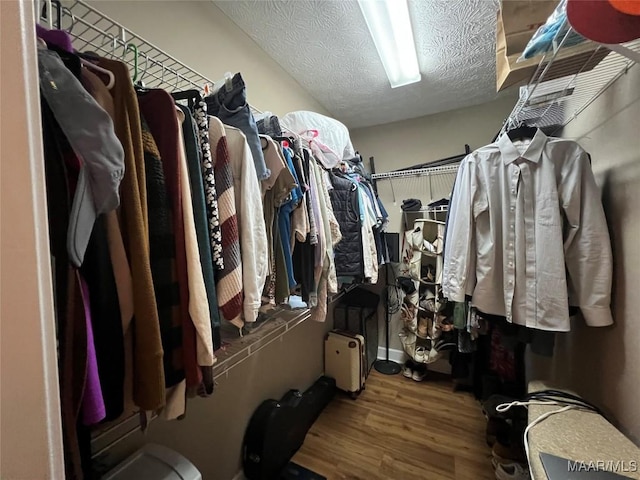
point(517, 22)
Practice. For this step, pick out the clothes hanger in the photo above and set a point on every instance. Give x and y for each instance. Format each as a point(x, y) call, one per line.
point(87, 59)
point(521, 132)
point(227, 82)
point(293, 135)
point(47, 13)
point(179, 80)
point(192, 96)
point(140, 83)
point(104, 71)
point(286, 141)
point(68, 12)
point(58, 7)
point(139, 86)
point(133, 48)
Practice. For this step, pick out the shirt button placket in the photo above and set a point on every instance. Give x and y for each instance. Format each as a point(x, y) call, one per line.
point(510, 250)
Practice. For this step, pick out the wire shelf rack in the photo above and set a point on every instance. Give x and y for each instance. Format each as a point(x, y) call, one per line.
point(93, 31)
point(447, 169)
point(555, 102)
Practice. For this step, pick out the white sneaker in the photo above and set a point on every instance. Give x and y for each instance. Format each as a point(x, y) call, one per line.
point(512, 471)
point(419, 375)
point(406, 370)
point(420, 355)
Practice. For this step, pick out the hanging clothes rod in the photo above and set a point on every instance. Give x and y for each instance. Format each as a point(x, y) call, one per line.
point(419, 172)
point(93, 31)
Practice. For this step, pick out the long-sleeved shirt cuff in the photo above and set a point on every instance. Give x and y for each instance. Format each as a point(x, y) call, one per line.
point(204, 351)
point(597, 316)
point(251, 312)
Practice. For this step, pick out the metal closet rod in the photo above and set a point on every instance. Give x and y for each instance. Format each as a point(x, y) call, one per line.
point(106, 37)
point(419, 172)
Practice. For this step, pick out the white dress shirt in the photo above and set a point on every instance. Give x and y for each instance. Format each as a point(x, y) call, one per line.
point(527, 235)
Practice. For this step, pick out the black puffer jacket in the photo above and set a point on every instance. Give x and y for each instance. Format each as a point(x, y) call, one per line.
point(348, 253)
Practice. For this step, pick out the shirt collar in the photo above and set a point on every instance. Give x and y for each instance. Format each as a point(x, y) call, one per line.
point(533, 152)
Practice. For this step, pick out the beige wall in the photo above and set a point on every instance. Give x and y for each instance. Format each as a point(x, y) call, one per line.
point(211, 434)
point(426, 139)
point(420, 140)
point(604, 363)
point(198, 34)
point(30, 432)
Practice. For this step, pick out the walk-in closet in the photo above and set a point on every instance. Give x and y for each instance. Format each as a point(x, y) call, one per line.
point(319, 239)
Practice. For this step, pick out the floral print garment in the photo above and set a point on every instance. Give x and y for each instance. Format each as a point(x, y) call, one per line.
point(211, 198)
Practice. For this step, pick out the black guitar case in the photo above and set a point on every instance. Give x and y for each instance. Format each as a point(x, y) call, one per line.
point(277, 429)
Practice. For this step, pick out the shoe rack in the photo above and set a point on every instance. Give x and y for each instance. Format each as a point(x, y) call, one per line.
point(423, 311)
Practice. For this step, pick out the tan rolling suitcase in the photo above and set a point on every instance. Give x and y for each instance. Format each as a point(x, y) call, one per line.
point(345, 360)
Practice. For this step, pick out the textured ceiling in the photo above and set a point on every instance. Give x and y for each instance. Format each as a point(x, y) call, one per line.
point(326, 46)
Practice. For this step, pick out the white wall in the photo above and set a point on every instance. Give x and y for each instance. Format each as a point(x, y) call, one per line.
point(426, 139)
point(30, 429)
point(603, 364)
point(198, 34)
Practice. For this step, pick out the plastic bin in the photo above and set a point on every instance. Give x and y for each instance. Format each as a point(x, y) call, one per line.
point(154, 462)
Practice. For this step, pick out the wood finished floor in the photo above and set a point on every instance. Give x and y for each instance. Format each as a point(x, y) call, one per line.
point(399, 429)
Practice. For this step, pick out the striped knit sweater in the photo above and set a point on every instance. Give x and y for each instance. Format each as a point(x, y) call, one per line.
point(229, 280)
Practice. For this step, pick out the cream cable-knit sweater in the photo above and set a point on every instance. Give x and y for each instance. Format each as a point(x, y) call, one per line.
point(251, 227)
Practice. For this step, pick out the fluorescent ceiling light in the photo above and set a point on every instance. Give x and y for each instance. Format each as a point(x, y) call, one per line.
point(390, 27)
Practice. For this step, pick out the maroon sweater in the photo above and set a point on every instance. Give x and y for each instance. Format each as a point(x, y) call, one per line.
point(159, 110)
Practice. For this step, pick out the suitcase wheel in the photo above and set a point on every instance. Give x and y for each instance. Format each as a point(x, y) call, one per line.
point(353, 395)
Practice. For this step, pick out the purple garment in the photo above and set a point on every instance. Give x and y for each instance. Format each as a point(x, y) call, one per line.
point(59, 38)
point(93, 409)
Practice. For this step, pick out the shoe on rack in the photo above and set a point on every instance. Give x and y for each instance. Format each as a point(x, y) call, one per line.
point(512, 471)
point(421, 355)
point(419, 373)
point(407, 371)
point(433, 356)
point(408, 316)
point(438, 243)
point(428, 273)
point(428, 301)
point(423, 325)
point(428, 247)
